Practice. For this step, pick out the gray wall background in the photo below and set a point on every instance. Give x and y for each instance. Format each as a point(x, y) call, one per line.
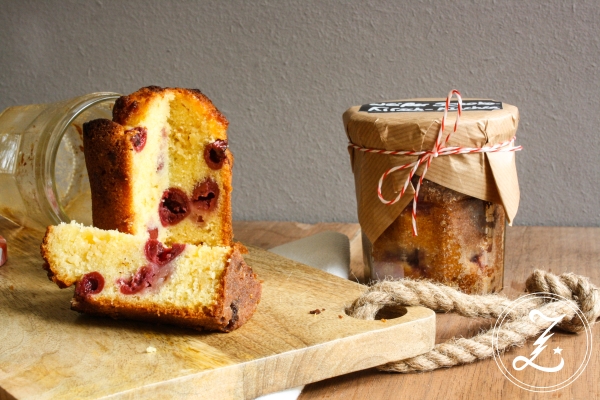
point(283, 72)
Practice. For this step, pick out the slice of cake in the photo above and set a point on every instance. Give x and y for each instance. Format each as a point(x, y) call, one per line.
point(138, 277)
point(162, 249)
point(162, 165)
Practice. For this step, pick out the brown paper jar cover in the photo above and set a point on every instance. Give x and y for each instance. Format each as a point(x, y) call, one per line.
point(462, 205)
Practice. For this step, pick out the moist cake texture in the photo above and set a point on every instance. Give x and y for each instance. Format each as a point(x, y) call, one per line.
point(138, 277)
point(460, 242)
point(162, 164)
point(161, 248)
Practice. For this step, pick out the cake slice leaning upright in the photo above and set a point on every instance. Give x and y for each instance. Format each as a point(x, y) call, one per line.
point(162, 246)
point(162, 165)
point(137, 277)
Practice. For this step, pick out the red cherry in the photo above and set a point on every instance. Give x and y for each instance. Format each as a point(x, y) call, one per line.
point(139, 137)
point(90, 284)
point(173, 207)
point(214, 154)
point(205, 195)
point(158, 254)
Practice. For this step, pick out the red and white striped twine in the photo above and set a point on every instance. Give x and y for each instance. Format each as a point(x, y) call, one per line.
point(425, 157)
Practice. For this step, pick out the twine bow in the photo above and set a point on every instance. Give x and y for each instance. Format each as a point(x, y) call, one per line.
point(425, 157)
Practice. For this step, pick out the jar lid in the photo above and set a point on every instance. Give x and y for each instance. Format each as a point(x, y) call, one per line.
point(413, 125)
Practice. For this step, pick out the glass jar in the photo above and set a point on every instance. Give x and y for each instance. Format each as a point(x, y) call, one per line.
point(460, 242)
point(455, 234)
point(43, 178)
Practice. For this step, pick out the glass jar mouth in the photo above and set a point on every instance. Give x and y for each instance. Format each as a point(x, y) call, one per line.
point(56, 209)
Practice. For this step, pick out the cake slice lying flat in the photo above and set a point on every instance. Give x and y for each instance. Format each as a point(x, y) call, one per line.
point(162, 164)
point(137, 277)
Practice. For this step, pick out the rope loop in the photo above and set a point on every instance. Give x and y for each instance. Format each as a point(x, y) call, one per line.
point(578, 290)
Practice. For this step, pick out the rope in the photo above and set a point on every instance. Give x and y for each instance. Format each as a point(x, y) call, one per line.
point(578, 291)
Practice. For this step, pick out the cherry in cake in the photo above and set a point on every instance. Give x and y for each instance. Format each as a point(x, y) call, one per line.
point(135, 276)
point(90, 284)
point(161, 248)
point(174, 207)
point(162, 163)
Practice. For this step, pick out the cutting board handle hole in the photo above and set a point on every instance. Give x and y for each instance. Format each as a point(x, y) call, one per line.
point(390, 312)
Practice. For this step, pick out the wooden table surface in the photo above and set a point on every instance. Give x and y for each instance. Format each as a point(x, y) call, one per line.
point(554, 249)
point(49, 352)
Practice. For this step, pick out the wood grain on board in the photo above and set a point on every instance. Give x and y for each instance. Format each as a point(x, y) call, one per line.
point(49, 351)
point(554, 249)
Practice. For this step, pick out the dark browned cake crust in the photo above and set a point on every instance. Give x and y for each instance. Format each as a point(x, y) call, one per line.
point(130, 108)
point(241, 292)
point(108, 158)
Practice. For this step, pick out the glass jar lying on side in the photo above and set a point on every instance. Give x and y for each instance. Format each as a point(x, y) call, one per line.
point(43, 178)
point(460, 242)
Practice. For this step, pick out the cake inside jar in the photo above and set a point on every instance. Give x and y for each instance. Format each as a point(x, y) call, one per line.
point(453, 232)
point(460, 242)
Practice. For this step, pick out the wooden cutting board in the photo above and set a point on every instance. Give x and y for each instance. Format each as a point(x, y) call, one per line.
point(49, 351)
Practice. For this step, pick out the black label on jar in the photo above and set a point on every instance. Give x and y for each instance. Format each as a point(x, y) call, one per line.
point(422, 106)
